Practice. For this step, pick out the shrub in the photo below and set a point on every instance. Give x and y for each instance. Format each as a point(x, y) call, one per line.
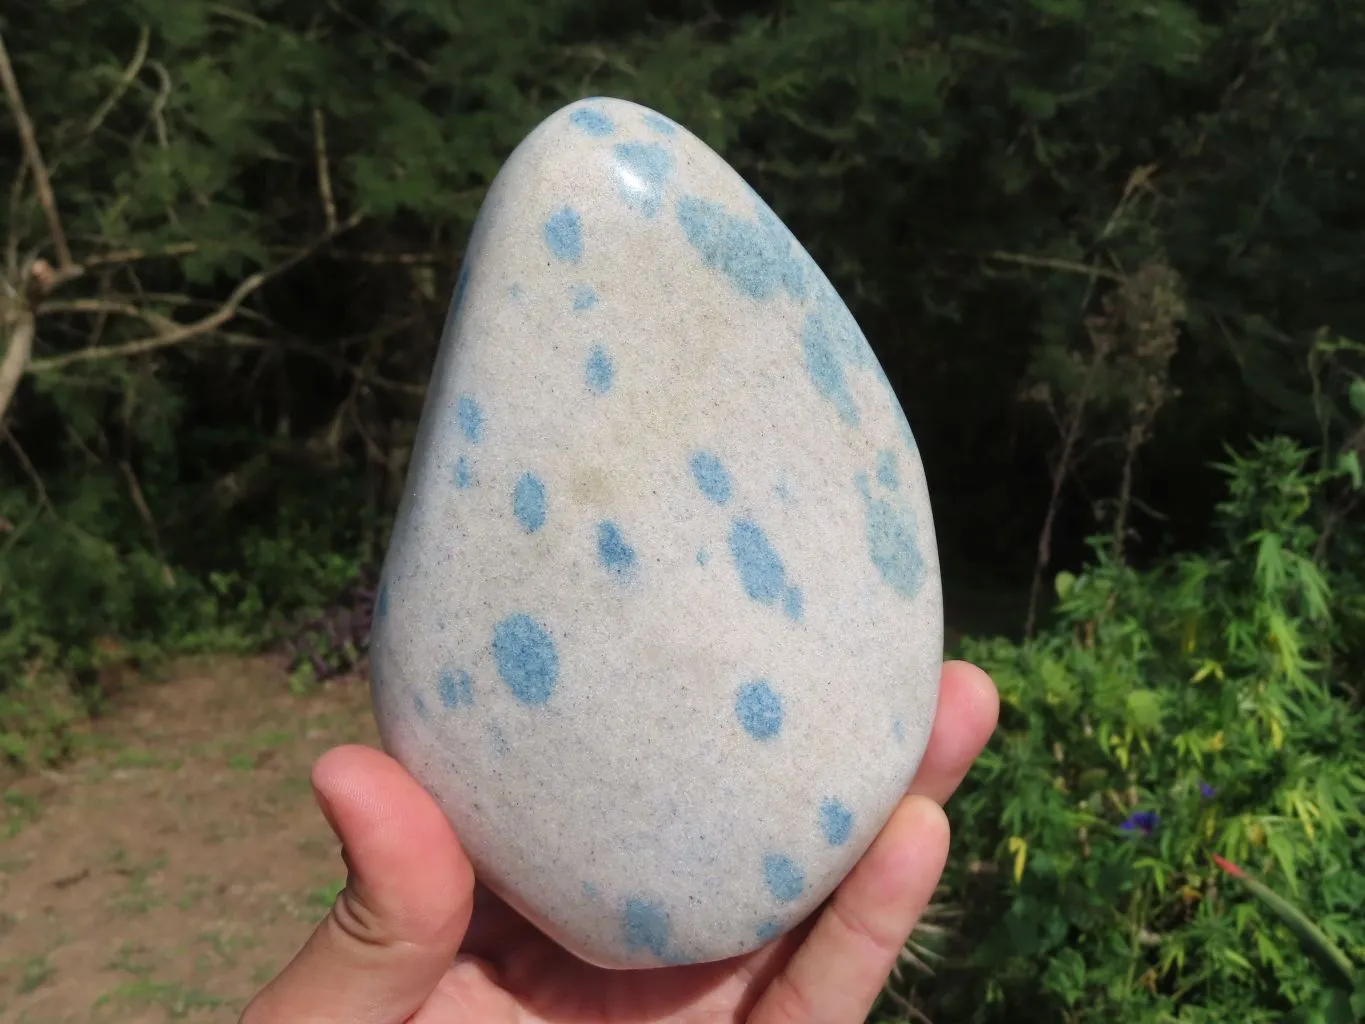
point(1204, 706)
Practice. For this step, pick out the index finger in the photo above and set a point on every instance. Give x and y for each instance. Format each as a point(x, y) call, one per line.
point(968, 709)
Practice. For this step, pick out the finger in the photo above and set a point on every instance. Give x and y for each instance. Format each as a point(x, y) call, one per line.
point(394, 929)
point(968, 709)
point(838, 972)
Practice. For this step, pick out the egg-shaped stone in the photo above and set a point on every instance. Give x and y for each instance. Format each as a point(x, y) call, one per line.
point(660, 623)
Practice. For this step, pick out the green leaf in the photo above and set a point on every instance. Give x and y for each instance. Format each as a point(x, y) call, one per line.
point(1348, 463)
point(1357, 395)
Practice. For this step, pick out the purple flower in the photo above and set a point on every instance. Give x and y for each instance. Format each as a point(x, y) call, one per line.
point(1207, 791)
point(1144, 822)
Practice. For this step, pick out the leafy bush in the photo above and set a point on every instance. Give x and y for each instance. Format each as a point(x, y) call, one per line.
point(75, 607)
point(1206, 706)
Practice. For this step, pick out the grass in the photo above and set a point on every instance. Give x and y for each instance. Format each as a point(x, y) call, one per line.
point(20, 809)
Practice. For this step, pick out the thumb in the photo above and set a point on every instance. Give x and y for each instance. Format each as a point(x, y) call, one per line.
point(394, 930)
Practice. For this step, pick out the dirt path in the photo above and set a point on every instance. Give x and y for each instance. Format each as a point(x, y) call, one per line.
point(180, 862)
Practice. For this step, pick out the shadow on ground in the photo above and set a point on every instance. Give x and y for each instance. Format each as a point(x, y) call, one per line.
point(180, 861)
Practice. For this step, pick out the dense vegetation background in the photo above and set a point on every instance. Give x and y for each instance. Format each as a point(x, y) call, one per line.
point(1110, 253)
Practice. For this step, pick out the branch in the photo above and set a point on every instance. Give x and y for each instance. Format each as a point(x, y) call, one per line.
point(329, 206)
point(126, 79)
point(1051, 263)
point(202, 326)
point(133, 255)
point(16, 357)
point(34, 157)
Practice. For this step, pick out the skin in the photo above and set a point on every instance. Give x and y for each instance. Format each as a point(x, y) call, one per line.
point(413, 939)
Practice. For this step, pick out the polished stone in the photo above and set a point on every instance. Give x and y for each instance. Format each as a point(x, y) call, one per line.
point(660, 624)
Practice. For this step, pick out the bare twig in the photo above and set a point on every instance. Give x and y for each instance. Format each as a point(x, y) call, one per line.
point(17, 354)
point(145, 511)
point(33, 156)
point(422, 66)
point(131, 72)
point(202, 326)
point(329, 206)
point(134, 255)
point(154, 116)
point(29, 470)
point(1051, 263)
point(1061, 470)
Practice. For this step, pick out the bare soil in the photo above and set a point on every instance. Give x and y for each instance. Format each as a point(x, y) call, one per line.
point(180, 861)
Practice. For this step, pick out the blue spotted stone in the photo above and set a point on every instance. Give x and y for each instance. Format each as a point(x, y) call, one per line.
point(528, 502)
point(584, 298)
point(784, 877)
point(836, 822)
point(646, 926)
point(526, 658)
point(598, 371)
point(759, 710)
point(711, 476)
point(612, 549)
point(660, 124)
point(661, 605)
point(592, 121)
point(563, 233)
point(455, 688)
point(642, 170)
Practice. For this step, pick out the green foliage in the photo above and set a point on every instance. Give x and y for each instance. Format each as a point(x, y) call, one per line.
point(1204, 706)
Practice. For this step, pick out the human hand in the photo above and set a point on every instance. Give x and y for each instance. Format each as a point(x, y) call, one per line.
point(412, 939)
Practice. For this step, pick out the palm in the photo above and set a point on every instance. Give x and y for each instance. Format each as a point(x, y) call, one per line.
point(522, 975)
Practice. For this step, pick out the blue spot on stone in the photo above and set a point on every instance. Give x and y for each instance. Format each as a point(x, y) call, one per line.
point(461, 286)
point(528, 502)
point(826, 370)
point(419, 705)
point(760, 570)
point(381, 605)
point(598, 371)
point(888, 473)
point(592, 121)
point(590, 891)
point(526, 658)
point(793, 603)
point(832, 341)
point(713, 479)
point(660, 124)
point(515, 293)
point(612, 548)
point(768, 930)
point(755, 256)
point(759, 710)
point(641, 170)
point(464, 476)
point(471, 419)
point(893, 546)
point(784, 491)
point(836, 822)
point(784, 877)
point(645, 925)
point(703, 556)
point(584, 297)
point(455, 687)
point(898, 731)
point(564, 235)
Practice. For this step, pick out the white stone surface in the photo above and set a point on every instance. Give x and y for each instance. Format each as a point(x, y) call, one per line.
point(660, 624)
